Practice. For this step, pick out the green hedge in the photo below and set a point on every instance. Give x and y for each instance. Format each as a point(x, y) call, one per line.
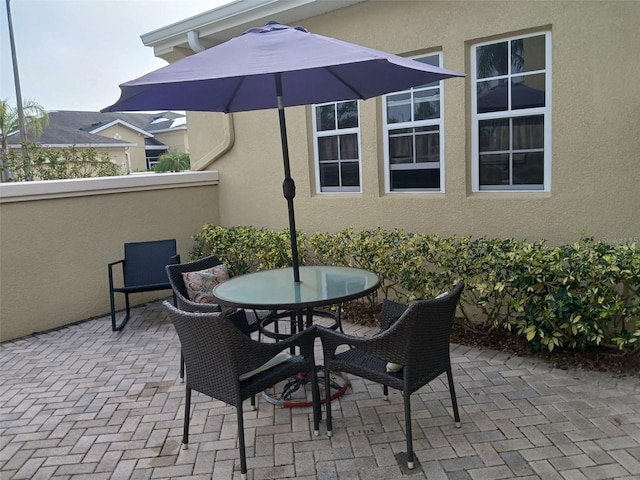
point(34, 162)
point(570, 296)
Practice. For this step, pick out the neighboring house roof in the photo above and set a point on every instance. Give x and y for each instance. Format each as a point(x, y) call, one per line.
point(81, 128)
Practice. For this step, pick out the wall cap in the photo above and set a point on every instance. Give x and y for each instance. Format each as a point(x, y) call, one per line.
point(78, 187)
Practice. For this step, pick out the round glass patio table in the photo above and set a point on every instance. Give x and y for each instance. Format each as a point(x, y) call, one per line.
point(320, 285)
point(276, 290)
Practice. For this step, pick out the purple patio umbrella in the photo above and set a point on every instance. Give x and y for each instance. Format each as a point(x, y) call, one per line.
point(275, 66)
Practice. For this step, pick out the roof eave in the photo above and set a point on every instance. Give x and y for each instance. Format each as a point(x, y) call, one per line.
point(227, 21)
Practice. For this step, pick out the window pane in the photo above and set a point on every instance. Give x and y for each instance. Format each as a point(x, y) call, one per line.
point(428, 148)
point(528, 132)
point(527, 91)
point(401, 149)
point(329, 174)
point(528, 54)
point(328, 148)
point(493, 96)
point(494, 135)
point(492, 60)
point(347, 114)
point(430, 60)
point(349, 147)
point(426, 104)
point(494, 169)
point(415, 178)
point(528, 168)
point(325, 117)
point(399, 108)
point(350, 174)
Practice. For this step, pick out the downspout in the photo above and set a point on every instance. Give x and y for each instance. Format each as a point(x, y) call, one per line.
point(127, 160)
point(228, 138)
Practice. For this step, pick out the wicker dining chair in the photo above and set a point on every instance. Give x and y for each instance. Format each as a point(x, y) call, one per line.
point(218, 356)
point(411, 349)
point(176, 279)
point(247, 322)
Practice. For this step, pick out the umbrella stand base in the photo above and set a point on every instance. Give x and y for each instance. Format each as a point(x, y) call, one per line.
point(288, 398)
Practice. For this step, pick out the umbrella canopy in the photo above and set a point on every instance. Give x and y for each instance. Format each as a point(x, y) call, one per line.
point(275, 66)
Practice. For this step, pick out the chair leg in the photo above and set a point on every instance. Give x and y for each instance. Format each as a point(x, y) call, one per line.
point(454, 401)
point(407, 419)
point(327, 402)
point(385, 392)
point(114, 326)
point(187, 413)
point(339, 318)
point(243, 455)
point(315, 396)
point(181, 366)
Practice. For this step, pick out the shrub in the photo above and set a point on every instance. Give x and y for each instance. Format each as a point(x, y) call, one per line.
point(247, 249)
point(34, 162)
point(173, 162)
point(571, 296)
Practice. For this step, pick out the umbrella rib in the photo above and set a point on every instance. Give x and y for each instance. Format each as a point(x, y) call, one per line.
point(347, 84)
point(232, 97)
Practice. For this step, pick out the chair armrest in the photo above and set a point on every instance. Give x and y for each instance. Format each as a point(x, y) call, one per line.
point(386, 345)
point(115, 263)
point(189, 306)
point(262, 352)
point(110, 267)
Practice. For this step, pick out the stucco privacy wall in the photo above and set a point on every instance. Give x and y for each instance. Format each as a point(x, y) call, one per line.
point(54, 251)
point(595, 116)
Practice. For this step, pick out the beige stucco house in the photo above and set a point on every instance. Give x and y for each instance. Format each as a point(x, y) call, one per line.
point(539, 141)
point(134, 141)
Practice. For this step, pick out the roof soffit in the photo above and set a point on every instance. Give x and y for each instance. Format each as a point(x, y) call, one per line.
point(223, 23)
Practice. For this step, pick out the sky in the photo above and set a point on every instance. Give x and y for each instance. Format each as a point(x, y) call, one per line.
point(73, 54)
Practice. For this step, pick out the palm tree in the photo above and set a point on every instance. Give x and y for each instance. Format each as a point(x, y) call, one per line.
point(35, 118)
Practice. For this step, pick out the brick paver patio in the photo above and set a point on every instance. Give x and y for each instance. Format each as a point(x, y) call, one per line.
point(83, 402)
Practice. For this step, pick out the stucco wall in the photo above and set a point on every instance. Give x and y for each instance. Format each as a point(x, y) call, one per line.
point(54, 251)
point(177, 141)
point(595, 117)
point(137, 154)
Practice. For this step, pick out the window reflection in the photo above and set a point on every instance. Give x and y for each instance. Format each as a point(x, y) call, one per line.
point(511, 78)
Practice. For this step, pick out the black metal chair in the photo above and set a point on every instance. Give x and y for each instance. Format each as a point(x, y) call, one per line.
point(217, 355)
point(411, 349)
point(143, 270)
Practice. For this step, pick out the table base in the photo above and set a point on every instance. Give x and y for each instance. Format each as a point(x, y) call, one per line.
point(339, 385)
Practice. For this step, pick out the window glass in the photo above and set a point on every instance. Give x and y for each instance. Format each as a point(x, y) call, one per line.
point(347, 115)
point(337, 146)
point(492, 60)
point(326, 117)
point(510, 128)
point(528, 91)
point(399, 108)
point(413, 141)
point(426, 104)
point(528, 54)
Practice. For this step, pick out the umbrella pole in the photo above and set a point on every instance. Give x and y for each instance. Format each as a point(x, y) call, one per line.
point(288, 185)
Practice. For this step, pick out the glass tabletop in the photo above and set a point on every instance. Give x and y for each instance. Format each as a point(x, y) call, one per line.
point(275, 289)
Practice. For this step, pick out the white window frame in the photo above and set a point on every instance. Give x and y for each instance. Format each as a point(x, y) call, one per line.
point(439, 122)
point(511, 114)
point(337, 132)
